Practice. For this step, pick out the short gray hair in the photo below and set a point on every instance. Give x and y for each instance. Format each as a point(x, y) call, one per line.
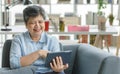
point(33, 11)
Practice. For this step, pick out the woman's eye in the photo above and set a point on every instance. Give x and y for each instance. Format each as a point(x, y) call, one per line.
point(41, 21)
point(32, 23)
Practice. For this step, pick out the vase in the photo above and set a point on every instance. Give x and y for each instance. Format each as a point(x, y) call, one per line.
point(88, 1)
point(61, 25)
point(111, 23)
point(101, 23)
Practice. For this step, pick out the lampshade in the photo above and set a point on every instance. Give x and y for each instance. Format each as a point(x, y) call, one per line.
point(26, 2)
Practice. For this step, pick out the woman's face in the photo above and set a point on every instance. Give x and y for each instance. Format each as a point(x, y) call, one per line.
point(35, 26)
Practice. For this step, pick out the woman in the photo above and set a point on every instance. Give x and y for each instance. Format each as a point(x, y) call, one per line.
point(31, 48)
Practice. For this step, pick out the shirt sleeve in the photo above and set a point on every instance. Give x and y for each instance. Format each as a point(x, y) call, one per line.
point(61, 72)
point(54, 44)
point(15, 53)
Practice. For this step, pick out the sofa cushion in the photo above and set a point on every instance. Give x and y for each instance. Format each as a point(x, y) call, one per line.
point(73, 55)
point(23, 70)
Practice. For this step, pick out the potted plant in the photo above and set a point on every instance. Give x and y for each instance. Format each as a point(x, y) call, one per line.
point(101, 17)
point(101, 5)
point(111, 18)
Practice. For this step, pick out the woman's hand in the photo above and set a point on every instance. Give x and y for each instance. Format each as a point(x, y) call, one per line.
point(57, 64)
point(42, 53)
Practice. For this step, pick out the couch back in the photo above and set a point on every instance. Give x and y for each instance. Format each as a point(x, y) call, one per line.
point(6, 53)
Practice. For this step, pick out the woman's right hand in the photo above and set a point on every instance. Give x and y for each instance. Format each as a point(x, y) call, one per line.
point(42, 53)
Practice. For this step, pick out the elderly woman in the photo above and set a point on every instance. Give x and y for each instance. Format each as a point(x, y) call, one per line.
point(29, 49)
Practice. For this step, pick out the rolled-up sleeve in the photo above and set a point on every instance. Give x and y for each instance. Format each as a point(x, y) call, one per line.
point(15, 53)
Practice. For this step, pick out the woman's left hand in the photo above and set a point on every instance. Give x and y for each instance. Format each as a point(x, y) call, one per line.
point(57, 64)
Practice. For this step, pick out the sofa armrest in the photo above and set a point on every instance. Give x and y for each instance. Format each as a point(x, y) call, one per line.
point(5, 68)
point(92, 60)
point(110, 65)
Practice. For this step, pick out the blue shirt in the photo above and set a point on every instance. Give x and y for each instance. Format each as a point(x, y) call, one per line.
point(22, 45)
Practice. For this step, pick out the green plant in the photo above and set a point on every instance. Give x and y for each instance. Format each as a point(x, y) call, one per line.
point(101, 5)
point(111, 18)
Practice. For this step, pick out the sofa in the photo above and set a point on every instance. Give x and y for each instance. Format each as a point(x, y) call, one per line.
point(85, 59)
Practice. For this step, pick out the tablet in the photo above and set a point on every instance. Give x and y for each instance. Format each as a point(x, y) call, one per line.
point(66, 56)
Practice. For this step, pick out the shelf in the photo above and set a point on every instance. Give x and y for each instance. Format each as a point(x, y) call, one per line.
point(80, 10)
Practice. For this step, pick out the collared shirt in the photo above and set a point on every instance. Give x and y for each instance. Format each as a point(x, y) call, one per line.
point(23, 45)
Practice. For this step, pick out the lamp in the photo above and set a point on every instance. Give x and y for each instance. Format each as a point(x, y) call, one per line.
point(26, 2)
point(7, 7)
point(6, 19)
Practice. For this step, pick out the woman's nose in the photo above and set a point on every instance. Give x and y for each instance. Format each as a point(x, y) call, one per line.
point(37, 24)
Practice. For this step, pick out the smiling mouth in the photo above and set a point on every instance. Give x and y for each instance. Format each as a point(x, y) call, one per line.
point(36, 30)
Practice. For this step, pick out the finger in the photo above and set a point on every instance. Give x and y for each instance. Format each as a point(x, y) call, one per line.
point(51, 65)
point(61, 61)
point(45, 55)
point(66, 66)
point(57, 60)
point(54, 63)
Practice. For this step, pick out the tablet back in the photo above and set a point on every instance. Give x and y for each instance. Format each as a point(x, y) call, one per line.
point(66, 57)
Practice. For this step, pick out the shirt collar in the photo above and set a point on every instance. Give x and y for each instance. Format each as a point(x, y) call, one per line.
point(42, 39)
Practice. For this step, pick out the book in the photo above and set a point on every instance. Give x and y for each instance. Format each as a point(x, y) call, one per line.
point(66, 57)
